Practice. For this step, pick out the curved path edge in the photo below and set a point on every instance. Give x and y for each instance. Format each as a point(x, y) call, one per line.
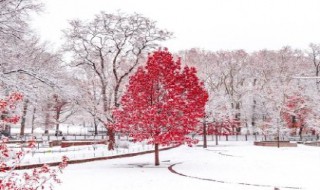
point(170, 168)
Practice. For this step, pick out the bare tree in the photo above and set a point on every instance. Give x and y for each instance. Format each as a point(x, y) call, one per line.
point(14, 15)
point(314, 55)
point(112, 45)
point(28, 67)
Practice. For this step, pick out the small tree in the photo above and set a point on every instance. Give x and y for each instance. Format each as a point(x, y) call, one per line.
point(295, 113)
point(163, 103)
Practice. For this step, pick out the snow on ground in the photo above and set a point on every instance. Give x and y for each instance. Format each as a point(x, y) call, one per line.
point(54, 154)
point(234, 163)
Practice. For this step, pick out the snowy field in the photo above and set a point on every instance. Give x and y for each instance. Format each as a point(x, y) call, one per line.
point(229, 166)
point(54, 154)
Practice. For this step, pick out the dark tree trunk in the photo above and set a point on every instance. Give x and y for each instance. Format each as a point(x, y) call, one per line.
point(110, 132)
point(33, 118)
point(300, 133)
point(23, 119)
point(58, 111)
point(237, 116)
point(111, 135)
point(278, 138)
point(95, 126)
point(204, 135)
point(116, 90)
point(156, 155)
point(104, 98)
point(47, 120)
point(217, 135)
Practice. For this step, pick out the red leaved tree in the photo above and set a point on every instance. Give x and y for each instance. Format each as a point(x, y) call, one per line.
point(295, 113)
point(163, 103)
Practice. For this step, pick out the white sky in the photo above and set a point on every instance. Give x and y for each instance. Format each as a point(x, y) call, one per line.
point(208, 24)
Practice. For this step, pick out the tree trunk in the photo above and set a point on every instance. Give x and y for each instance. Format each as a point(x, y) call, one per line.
point(33, 118)
point(110, 132)
point(217, 139)
point(104, 98)
point(116, 90)
point(278, 139)
point(204, 135)
point(156, 155)
point(47, 120)
point(58, 111)
point(111, 135)
point(238, 117)
point(216, 135)
point(23, 119)
point(300, 133)
point(95, 126)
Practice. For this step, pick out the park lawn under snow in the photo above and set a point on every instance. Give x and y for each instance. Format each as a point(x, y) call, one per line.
point(234, 163)
point(54, 154)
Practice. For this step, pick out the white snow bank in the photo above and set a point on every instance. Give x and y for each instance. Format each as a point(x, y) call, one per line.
point(243, 163)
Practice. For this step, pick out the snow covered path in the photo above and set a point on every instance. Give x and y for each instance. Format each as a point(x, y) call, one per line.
point(237, 164)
